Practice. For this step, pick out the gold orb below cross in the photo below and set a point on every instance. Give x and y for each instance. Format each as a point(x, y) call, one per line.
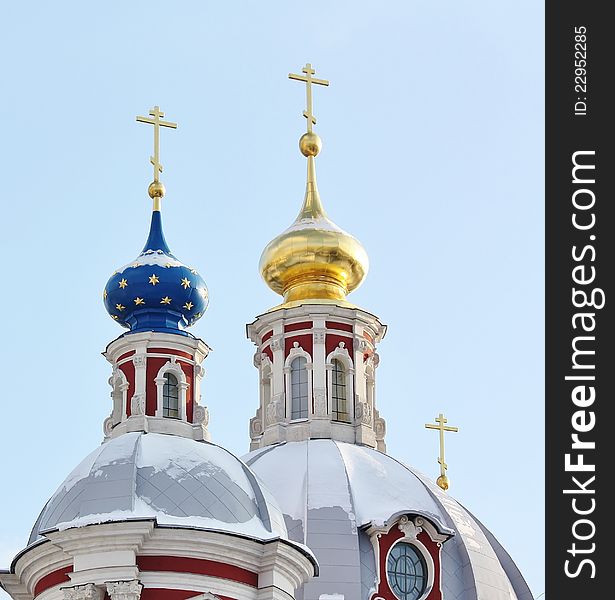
point(156, 189)
point(310, 144)
point(443, 482)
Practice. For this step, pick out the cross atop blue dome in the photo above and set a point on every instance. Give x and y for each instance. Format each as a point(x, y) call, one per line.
point(156, 292)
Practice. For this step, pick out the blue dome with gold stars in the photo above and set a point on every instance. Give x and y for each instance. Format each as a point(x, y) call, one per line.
point(156, 292)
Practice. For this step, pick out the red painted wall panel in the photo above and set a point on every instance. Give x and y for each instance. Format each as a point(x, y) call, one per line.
point(170, 351)
point(332, 341)
point(151, 393)
point(298, 326)
point(179, 564)
point(53, 578)
point(305, 341)
point(341, 326)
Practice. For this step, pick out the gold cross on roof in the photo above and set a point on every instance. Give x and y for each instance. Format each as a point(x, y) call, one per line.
point(309, 80)
point(156, 115)
point(441, 426)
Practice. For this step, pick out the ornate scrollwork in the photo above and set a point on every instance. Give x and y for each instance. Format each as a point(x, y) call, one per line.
point(410, 528)
point(363, 413)
point(137, 405)
point(83, 592)
point(108, 425)
point(256, 425)
point(138, 360)
point(124, 590)
point(200, 415)
point(275, 411)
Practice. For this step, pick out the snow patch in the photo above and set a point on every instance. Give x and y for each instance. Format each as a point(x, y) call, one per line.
point(152, 258)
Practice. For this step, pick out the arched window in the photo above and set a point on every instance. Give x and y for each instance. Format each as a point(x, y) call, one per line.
point(339, 397)
point(298, 389)
point(406, 572)
point(170, 396)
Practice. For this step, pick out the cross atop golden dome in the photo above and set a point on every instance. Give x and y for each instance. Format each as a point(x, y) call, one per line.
point(313, 261)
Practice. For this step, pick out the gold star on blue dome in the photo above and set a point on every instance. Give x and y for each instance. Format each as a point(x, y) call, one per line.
point(139, 301)
point(165, 300)
point(185, 283)
point(123, 283)
point(154, 279)
point(188, 305)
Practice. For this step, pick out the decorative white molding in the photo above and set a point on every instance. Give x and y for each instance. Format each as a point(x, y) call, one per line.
point(409, 528)
point(275, 410)
point(200, 415)
point(137, 405)
point(276, 342)
point(108, 425)
point(361, 344)
point(199, 371)
point(320, 402)
point(380, 428)
point(83, 592)
point(124, 590)
point(138, 360)
point(319, 336)
point(119, 395)
point(363, 413)
point(256, 425)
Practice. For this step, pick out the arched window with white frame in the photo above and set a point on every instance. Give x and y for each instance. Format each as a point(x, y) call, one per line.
point(340, 384)
point(171, 389)
point(339, 392)
point(170, 396)
point(298, 388)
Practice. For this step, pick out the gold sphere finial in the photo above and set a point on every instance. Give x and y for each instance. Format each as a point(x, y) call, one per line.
point(156, 189)
point(310, 144)
point(443, 482)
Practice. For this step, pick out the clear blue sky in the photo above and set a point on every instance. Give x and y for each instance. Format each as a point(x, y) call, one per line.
point(433, 158)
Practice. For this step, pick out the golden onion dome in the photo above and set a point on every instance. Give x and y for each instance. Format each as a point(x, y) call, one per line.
point(313, 261)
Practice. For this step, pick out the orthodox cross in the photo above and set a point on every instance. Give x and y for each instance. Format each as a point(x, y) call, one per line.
point(441, 427)
point(309, 80)
point(156, 115)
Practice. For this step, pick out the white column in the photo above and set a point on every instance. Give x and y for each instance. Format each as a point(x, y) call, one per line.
point(319, 374)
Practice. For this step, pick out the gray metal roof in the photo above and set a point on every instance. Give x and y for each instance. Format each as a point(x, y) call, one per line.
point(330, 490)
point(175, 480)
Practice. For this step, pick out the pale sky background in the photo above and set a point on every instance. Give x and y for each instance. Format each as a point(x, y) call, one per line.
point(433, 158)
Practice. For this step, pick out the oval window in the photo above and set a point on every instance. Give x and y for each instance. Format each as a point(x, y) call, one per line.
point(406, 572)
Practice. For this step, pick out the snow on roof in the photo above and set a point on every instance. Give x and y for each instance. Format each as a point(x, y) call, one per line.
point(174, 480)
point(363, 482)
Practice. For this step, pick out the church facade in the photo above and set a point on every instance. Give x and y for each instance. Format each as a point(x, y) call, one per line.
point(317, 510)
